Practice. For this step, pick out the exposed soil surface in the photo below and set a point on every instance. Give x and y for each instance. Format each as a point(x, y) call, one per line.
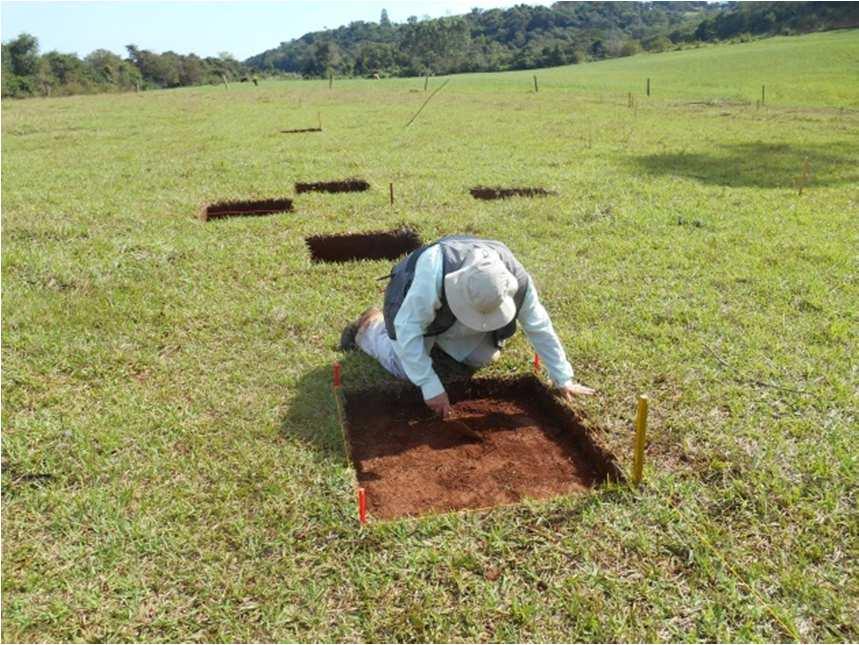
point(344, 186)
point(507, 440)
point(220, 210)
point(298, 130)
point(487, 192)
point(378, 245)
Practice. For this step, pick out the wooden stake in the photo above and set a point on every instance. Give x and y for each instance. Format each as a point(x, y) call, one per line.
point(336, 374)
point(362, 506)
point(640, 435)
point(391, 188)
point(536, 89)
point(648, 87)
point(330, 80)
point(426, 82)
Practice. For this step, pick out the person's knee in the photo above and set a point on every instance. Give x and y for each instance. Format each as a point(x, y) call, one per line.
point(371, 322)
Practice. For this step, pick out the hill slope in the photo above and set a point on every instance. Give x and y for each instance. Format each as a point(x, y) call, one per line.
point(814, 69)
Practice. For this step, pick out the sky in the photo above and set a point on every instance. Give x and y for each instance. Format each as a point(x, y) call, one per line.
point(203, 27)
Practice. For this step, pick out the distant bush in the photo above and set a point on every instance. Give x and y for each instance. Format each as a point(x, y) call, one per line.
point(630, 48)
point(657, 44)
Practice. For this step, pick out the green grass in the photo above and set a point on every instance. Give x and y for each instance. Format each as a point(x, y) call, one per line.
point(172, 468)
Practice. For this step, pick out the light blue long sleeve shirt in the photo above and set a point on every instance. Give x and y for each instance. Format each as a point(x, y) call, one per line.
point(419, 309)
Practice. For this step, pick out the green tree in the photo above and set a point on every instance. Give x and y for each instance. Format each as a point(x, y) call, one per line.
point(66, 69)
point(104, 66)
point(24, 55)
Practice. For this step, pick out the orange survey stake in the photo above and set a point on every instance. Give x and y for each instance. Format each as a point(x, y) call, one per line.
point(362, 505)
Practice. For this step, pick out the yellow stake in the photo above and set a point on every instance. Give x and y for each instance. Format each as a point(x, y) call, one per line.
point(640, 434)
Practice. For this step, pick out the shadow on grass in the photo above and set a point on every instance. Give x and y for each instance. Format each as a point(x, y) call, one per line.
point(311, 412)
point(759, 165)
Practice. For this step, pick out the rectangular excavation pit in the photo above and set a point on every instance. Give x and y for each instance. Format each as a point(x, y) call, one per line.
point(220, 210)
point(518, 441)
point(351, 185)
point(497, 192)
point(377, 245)
point(300, 130)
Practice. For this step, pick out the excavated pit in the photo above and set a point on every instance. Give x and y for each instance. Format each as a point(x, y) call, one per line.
point(489, 192)
point(518, 441)
point(377, 245)
point(220, 210)
point(352, 185)
point(300, 130)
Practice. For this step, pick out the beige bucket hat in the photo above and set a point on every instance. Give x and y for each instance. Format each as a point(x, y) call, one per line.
point(480, 294)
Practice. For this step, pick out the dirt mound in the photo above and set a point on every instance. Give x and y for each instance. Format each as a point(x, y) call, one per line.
point(377, 245)
point(508, 440)
point(298, 130)
point(219, 210)
point(488, 192)
point(344, 186)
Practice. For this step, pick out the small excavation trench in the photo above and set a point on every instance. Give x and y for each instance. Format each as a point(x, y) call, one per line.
point(221, 210)
point(488, 192)
point(506, 440)
point(300, 130)
point(377, 245)
point(344, 186)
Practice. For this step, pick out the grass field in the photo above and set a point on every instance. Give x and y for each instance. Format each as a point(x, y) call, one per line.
point(172, 467)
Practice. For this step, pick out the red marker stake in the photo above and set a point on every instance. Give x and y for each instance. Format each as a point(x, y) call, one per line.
point(362, 506)
point(336, 374)
point(537, 364)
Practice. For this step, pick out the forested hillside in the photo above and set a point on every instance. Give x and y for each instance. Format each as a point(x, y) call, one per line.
point(524, 37)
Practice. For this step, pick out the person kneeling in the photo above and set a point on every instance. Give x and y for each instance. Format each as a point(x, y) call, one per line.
point(466, 295)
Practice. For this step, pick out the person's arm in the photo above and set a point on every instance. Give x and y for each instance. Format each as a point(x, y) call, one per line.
point(415, 315)
point(538, 328)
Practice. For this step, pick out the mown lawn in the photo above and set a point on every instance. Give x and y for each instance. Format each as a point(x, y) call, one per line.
point(172, 466)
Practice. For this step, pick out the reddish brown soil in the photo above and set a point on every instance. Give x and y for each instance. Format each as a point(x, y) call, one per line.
point(220, 210)
point(413, 463)
point(379, 245)
point(487, 192)
point(298, 130)
point(345, 186)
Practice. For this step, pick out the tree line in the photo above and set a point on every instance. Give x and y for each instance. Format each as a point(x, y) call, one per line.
point(521, 37)
point(26, 72)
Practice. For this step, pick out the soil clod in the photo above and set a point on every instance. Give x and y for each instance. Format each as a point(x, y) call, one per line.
point(377, 245)
point(220, 210)
point(413, 463)
point(497, 192)
point(344, 186)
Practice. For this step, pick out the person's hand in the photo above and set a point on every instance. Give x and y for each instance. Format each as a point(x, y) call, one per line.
point(572, 390)
point(440, 405)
